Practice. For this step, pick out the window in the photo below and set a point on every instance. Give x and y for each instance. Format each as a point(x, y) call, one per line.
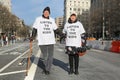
point(79, 3)
point(83, 10)
point(86, 3)
point(74, 3)
point(87, 10)
point(74, 9)
point(78, 9)
point(82, 3)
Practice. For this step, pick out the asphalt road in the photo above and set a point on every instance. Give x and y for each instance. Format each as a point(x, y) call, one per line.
point(94, 65)
point(10, 58)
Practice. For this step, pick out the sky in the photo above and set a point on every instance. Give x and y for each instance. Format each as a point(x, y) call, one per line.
point(29, 10)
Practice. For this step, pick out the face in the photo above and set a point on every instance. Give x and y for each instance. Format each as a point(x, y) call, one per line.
point(46, 13)
point(73, 18)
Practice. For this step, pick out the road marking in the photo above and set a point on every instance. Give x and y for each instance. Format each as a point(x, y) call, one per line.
point(11, 53)
point(6, 66)
point(15, 72)
point(32, 70)
point(10, 49)
point(60, 50)
point(97, 50)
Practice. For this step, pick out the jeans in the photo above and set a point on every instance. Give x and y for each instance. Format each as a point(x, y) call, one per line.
point(47, 51)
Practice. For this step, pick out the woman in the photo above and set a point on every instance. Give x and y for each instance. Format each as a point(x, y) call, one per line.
point(73, 30)
point(44, 27)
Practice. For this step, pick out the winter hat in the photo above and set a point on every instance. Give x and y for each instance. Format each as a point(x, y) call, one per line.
point(73, 14)
point(46, 9)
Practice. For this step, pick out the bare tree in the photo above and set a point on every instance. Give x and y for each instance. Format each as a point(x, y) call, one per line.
point(111, 13)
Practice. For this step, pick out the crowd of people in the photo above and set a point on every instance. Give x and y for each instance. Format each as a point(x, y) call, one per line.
point(5, 40)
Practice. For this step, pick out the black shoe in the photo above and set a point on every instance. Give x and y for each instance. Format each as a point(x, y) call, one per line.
point(76, 72)
point(70, 72)
point(47, 72)
point(44, 72)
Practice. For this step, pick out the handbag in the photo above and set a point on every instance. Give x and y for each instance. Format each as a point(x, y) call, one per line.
point(82, 51)
point(75, 50)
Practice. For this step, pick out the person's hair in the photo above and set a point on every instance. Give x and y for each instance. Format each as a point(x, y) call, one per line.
point(73, 15)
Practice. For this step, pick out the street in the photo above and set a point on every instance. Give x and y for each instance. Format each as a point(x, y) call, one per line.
point(13, 61)
point(94, 65)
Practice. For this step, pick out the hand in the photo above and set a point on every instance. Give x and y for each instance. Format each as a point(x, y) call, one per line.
point(31, 39)
point(63, 35)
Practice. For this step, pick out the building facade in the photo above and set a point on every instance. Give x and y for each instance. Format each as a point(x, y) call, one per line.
point(6, 3)
point(59, 21)
point(79, 7)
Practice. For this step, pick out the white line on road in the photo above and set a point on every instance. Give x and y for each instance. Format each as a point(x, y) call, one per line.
point(97, 50)
point(10, 49)
point(32, 70)
point(6, 66)
point(60, 50)
point(15, 72)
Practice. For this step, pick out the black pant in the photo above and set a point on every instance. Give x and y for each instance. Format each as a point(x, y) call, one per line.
point(73, 61)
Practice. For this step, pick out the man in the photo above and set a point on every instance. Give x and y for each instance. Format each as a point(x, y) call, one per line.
point(44, 27)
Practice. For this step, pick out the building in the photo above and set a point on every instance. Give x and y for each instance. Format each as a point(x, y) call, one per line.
point(59, 21)
point(79, 7)
point(6, 3)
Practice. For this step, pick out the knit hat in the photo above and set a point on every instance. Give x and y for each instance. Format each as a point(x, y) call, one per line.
point(46, 9)
point(73, 14)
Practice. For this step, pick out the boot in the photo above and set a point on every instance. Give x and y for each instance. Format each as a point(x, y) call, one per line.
point(76, 57)
point(45, 72)
point(71, 64)
point(71, 71)
point(76, 72)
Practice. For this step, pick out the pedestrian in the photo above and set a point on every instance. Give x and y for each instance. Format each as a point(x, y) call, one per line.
point(7, 40)
point(2, 40)
point(73, 30)
point(44, 26)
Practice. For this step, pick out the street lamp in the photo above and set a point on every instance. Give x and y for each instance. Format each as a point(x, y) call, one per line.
point(103, 27)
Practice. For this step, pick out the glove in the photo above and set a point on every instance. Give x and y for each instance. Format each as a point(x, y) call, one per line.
point(31, 39)
point(81, 49)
